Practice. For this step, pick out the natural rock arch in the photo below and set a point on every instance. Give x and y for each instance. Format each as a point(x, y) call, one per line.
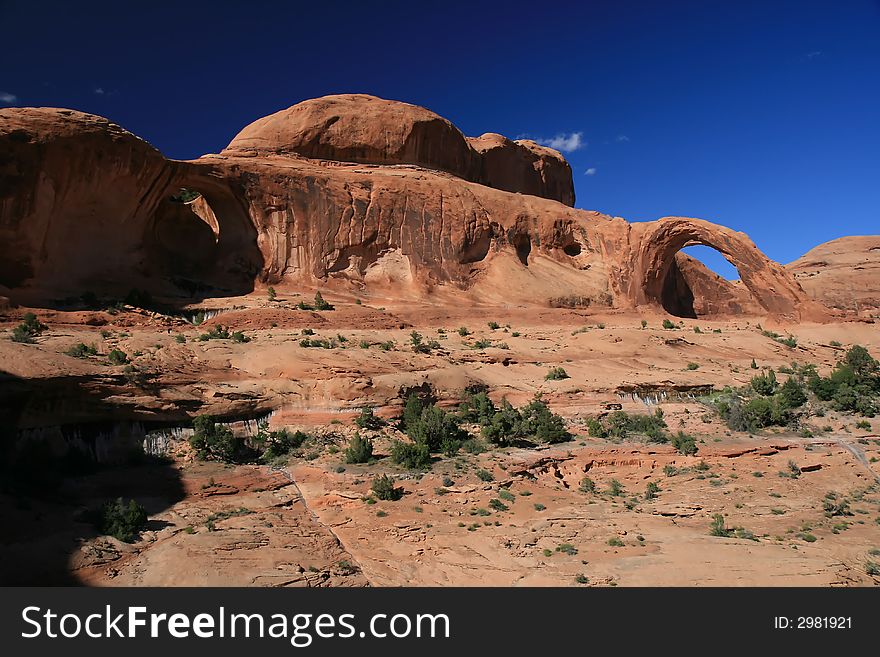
point(655, 244)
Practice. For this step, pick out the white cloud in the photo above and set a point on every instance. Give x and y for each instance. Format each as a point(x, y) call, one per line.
point(99, 91)
point(590, 172)
point(622, 138)
point(814, 54)
point(565, 142)
point(7, 97)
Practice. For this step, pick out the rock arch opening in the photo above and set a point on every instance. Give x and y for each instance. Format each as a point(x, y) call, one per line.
point(664, 277)
point(692, 289)
point(202, 241)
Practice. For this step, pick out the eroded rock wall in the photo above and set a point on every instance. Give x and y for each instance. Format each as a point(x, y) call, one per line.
point(290, 199)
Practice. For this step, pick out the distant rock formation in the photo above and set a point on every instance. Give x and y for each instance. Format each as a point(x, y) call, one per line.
point(843, 273)
point(346, 190)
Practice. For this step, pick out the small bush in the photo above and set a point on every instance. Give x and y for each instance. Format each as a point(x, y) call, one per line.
point(587, 485)
point(485, 475)
point(383, 488)
point(693, 366)
point(359, 450)
point(414, 456)
point(494, 326)
point(215, 441)
point(684, 443)
point(122, 520)
point(615, 488)
point(117, 357)
point(651, 490)
point(29, 329)
point(556, 374)
point(368, 420)
point(615, 542)
point(718, 528)
point(81, 350)
point(669, 325)
point(320, 304)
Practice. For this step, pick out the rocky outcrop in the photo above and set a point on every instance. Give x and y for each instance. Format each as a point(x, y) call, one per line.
point(843, 273)
point(523, 166)
point(368, 130)
point(346, 190)
point(656, 244)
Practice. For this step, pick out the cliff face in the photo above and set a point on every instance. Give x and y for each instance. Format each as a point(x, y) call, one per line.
point(350, 190)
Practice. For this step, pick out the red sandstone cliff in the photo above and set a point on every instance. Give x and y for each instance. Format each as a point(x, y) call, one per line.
point(348, 189)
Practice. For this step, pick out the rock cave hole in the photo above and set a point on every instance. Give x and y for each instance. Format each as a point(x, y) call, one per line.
point(573, 249)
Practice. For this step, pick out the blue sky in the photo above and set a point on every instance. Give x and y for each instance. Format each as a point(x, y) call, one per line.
point(763, 116)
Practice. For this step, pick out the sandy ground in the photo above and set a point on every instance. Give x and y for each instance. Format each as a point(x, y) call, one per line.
point(308, 522)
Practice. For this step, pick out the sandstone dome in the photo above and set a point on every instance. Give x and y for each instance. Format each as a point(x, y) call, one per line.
point(363, 129)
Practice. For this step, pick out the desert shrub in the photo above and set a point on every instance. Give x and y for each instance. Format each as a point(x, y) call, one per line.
point(494, 326)
point(384, 489)
point(239, 337)
point(669, 325)
point(368, 420)
point(615, 488)
point(757, 413)
point(122, 520)
point(497, 505)
point(476, 407)
point(863, 424)
point(279, 443)
point(693, 366)
point(321, 304)
point(534, 421)
point(556, 374)
point(765, 383)
point(316, 343)
point(853, 384)
point(620, 425)
point(414, 456)
point(541, 423)
point(684, 443)
point(718, 528)
point(29, 329)
point(834, 505)
point(117, 357)
point(433, 427)
point(615, 542)
point(217, 332)
point(651, 490)
point(502, 428)
point(359, 450)
point(215, 441)
point(791, 394)
point(587, 485)
point(81, 350)
point(450, 446)
point(463, 331)
point(485, 475)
